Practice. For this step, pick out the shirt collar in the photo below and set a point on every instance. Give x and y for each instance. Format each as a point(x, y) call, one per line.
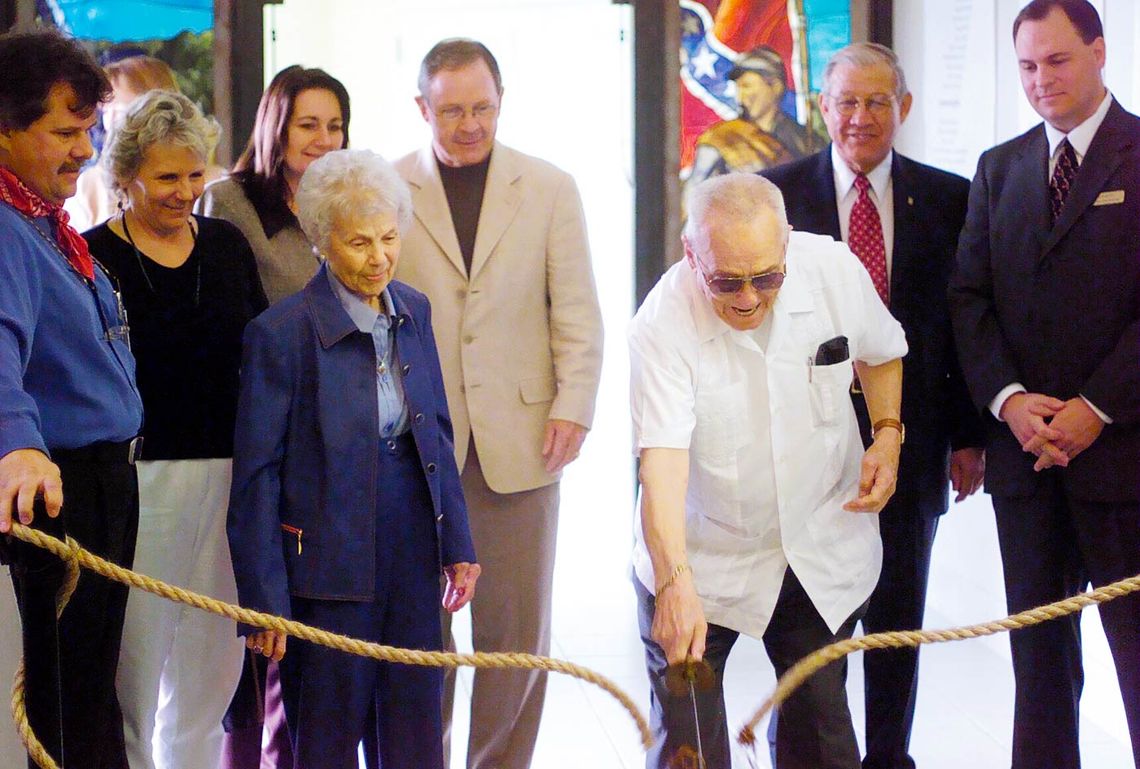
point(1081, 136)
point(708, 325)
point(362, 315)
point(879, 176)
point(31, 204)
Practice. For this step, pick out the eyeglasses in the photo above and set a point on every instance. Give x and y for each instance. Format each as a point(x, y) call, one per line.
point(455, 113)
point(723, 286)
point(876, 103)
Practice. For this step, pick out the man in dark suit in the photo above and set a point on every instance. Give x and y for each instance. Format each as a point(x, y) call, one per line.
point(902, 219)
point(1046, 309)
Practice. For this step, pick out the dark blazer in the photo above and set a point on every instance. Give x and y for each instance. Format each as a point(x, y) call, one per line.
point(307, 445)
point(1056, 308)
point(929, 208)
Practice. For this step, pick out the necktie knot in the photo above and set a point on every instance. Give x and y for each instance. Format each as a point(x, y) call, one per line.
point(862, 183)
point(1066, 149)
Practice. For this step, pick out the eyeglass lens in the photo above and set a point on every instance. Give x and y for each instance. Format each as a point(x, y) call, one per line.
point(766, 282)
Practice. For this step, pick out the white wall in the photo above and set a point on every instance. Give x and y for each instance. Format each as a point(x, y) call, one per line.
point(566, 74)
point(567, 80)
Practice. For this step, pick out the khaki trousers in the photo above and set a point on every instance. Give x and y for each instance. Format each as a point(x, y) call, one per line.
point(515, 537)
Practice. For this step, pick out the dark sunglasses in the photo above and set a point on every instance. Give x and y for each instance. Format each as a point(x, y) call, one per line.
point(765, 281)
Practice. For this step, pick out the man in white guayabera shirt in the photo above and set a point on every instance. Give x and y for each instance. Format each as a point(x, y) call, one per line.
point(758, 501)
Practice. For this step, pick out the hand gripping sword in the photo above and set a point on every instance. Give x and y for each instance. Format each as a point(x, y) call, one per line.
point(683, 678)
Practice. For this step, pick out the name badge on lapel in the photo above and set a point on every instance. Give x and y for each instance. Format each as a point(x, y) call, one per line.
point(1109, 198)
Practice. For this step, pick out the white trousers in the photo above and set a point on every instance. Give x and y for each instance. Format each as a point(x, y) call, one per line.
point(179, 666)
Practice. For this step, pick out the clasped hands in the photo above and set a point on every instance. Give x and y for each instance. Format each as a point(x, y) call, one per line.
point(1054, 430)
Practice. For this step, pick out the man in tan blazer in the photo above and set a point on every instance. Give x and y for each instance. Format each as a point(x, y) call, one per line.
point(499, 246)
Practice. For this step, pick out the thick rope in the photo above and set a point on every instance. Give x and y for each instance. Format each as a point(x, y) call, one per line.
point(806, 667)
point(19, 711)
point(77, 556)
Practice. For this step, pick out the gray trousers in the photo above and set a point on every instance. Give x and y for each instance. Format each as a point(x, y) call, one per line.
point(815, 730)
point(515, 537)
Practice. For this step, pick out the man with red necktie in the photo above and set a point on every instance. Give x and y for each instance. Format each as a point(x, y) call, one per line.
point(69, 409)
point(902, 220)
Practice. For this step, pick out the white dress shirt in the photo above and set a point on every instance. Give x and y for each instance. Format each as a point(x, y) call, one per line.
point(881, 195)
point(1080, 137)
point(774, 449)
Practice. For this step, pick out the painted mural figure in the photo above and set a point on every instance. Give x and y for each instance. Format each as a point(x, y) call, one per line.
point(763, 135)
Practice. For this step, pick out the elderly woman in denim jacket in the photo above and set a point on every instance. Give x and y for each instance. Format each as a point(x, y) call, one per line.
point(346, 504)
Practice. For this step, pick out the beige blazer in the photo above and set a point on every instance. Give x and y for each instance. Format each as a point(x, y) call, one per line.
point(520, 341)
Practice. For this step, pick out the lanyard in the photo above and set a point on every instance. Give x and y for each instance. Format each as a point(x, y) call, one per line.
point(121, 330)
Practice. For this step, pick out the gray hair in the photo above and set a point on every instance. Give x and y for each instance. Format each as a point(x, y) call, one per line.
point(359, 182)
point(157, 117)
point(859, 55)
point(734, 196)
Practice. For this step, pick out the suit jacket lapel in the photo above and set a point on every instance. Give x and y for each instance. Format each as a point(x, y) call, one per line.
point(501, 201)
point(906, 229)
point(1107, 151)
point(1028, 184)
point(430, 204)
point(824, 215)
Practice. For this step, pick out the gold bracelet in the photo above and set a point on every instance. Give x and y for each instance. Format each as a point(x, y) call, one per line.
point(678, 570)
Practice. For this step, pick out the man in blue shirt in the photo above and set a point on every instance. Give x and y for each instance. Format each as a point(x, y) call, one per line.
point(69, 409)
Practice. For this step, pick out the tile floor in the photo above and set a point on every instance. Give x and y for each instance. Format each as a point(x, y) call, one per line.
point(965, 702)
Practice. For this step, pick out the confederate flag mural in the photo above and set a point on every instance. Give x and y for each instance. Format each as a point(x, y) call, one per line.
point(750, 77)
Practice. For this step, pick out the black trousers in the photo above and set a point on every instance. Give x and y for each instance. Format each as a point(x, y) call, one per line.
point(70, 665)
point(890, 676)
point(1052, 546)
point(815, 730)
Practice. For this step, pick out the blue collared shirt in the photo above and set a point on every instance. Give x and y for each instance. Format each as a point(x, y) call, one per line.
point(391, 406)
point(67, 377)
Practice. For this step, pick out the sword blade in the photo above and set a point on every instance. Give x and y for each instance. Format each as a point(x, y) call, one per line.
point(696, 724)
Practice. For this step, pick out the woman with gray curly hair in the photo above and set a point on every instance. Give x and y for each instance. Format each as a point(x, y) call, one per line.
point(189, 285)
point(346, 505)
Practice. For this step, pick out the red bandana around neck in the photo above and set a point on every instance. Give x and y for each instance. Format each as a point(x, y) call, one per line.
point(18, 195)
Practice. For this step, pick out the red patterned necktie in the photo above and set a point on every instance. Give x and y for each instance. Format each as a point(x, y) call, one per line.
point(1063, 174)
point(865, 238)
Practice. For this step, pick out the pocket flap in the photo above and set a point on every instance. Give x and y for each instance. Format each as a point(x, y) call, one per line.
point(537, 390)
